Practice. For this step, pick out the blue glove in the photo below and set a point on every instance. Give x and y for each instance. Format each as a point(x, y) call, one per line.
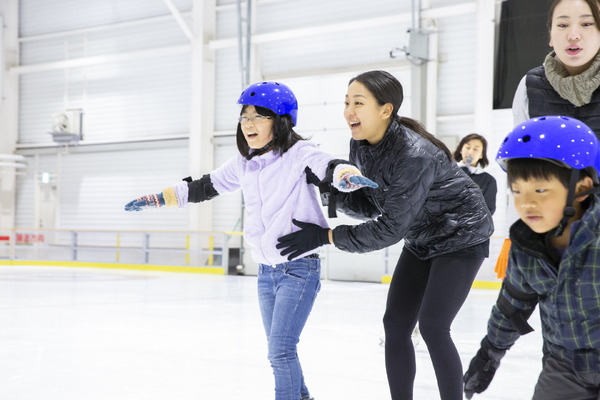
point(308, 238)
point(356, 182)
point(144, 202)
point(347, 178)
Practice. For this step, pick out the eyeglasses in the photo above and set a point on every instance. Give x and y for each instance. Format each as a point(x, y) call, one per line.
point(257, 119)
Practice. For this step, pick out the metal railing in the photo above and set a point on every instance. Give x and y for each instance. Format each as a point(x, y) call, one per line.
point(177, 248)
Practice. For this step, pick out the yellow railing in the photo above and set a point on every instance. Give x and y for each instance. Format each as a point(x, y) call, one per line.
point(178, 248)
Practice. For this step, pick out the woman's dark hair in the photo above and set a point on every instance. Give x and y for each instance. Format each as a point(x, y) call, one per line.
point(284, 135)
point(387, 89)
point(594, 6)
point(484, 162)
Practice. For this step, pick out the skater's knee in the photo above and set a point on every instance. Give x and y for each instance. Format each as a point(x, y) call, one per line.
point(432, 330)
point(397, 326)
point(280, 350)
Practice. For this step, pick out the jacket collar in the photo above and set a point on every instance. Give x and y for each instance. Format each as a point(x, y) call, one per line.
point(388, 137)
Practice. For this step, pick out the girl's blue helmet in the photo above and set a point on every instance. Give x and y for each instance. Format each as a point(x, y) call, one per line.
point(566, 140)
point(275, 96)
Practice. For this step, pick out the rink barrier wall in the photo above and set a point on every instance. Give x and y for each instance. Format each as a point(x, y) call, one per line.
point(476, 285)
point(135, 267)
point(386, 279)
point(177, 251)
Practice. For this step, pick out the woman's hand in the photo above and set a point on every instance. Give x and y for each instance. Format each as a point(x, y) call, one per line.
point(308, 238)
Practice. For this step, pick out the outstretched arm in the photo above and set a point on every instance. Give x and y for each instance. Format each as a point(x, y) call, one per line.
point(177, 195)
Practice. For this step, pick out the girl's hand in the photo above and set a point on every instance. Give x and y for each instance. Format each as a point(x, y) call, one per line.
point(347, 178)
point(144, 202)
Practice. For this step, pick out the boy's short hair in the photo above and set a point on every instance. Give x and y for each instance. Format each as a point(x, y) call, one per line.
point(539, 168)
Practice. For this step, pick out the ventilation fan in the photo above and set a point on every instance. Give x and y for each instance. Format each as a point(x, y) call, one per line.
point(67, 126)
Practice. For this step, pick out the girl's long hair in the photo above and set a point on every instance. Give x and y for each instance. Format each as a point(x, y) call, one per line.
point(387, 89)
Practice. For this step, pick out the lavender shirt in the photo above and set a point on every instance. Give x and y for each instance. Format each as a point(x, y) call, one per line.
point(275, 191)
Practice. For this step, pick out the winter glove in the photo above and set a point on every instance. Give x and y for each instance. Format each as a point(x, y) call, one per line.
point(148, 201)
point(308, 238)
point(482, 368)
point(347, 178)
point(172, 196)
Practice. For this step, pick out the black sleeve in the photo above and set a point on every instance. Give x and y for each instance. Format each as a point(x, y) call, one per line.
point(201, 189)
point(489, 191)
point(357, 205)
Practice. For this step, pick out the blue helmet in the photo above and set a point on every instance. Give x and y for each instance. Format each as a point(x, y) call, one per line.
point(275, 96)
point(566, 140)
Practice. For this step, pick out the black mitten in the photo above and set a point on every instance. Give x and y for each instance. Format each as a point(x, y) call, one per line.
point(482, 368)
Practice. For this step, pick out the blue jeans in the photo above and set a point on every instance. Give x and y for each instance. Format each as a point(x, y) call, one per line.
point(286, 294)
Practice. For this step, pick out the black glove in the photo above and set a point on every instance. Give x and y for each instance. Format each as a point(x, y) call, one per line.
point(482, 368)
point(308, 238)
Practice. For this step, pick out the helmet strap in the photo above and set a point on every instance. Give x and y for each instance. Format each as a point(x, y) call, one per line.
point(569, 210)
point(260, 151)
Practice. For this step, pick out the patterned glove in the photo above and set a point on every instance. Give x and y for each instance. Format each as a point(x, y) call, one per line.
point(482, 368)
point(308, 238)
point(347, 178)
point(144, 202)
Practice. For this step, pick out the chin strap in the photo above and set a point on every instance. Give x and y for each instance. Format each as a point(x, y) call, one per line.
point(569, 210)
point(260, 151)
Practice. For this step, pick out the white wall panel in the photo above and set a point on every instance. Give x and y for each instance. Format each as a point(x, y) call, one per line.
point(284, 15)
point(116, 40)
point(94, 187)
point(133, 99)
point(335, 50)
point(228, 83)
point(456, 82)
point(42, 16)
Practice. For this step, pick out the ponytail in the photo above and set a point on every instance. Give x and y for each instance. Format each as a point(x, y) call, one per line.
point(416, 126)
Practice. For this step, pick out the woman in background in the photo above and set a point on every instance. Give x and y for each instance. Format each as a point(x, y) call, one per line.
point(471, 155)
point(567, 83)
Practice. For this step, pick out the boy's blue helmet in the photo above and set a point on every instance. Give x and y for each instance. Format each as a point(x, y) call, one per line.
point(275, 96)
point(566, 140)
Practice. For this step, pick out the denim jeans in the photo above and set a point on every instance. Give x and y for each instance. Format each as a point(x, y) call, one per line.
point(286, 294)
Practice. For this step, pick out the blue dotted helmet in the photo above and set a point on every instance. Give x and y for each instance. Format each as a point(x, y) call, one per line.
point(566, 140)
point(275, 96)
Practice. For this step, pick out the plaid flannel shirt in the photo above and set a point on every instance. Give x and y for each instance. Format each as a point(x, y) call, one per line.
point(567, 288)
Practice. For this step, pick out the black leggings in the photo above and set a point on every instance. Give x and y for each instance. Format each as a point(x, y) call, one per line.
point(431, 292)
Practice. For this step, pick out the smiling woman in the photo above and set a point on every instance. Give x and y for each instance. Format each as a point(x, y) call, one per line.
point(424, 198)
point(567, 83)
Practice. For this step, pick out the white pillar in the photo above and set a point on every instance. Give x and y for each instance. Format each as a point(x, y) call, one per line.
point(484, 76)
point(202, 105)
point(9, 106)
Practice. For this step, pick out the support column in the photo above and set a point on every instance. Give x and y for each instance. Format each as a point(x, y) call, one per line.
point(9, 106)
point(202, 105)
point(484, 76)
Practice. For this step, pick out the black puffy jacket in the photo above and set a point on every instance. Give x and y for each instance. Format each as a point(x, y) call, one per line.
point(423, 198)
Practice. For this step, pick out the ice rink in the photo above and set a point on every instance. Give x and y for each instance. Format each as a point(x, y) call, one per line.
point(99, 334)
